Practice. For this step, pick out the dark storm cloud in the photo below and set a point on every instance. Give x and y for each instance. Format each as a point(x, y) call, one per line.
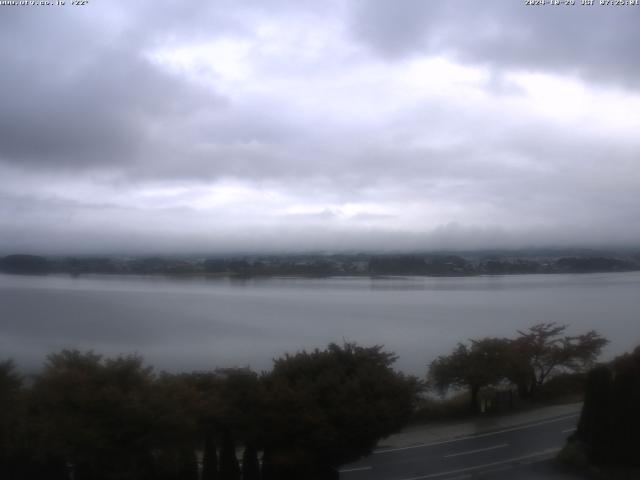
point(596, 42)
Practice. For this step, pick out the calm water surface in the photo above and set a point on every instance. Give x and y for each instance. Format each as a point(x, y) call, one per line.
point(200, 323)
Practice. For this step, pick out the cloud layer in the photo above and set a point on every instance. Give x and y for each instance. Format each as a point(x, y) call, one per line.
point(317, 125)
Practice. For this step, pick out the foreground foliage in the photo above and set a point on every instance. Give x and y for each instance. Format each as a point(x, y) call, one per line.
point(330, 407)
point(88, 417)
point(610, 421)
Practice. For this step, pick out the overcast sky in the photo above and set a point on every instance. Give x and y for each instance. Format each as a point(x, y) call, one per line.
point(166, 126)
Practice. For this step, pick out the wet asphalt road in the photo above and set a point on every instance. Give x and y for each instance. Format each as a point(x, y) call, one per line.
point(519, 452)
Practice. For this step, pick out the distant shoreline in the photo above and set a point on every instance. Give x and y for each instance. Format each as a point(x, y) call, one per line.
point(326, 266)
point(236, 276)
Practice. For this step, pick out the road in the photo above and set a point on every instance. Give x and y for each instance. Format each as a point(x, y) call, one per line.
point(516, 452)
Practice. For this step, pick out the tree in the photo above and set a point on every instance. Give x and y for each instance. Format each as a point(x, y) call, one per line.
point(10, 386)
point(97, 414)
point(543, 351)
point(240, 404)
point(328, 407)
point(229, 468)
point(528, 361)
point(610, 420)
point(250, 463)
point(594, 426)
point(475, 366)
point(188, 464)
point(625, 411)
point(209, 458)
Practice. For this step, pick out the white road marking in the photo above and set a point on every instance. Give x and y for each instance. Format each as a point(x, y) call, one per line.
point(356, 469)
point(481, 435)
point(487, 465)
point(469, 452)
point(569, 430)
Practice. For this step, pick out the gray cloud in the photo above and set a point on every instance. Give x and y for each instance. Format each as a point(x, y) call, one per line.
point(93, 106)
point(595, 42)
point(314, 124)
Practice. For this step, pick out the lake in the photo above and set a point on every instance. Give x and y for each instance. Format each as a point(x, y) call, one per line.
point(203, 323)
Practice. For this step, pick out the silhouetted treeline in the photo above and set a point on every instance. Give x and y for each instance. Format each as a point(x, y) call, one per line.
point(85, 417)
point(322, 265)
point(609, 426)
